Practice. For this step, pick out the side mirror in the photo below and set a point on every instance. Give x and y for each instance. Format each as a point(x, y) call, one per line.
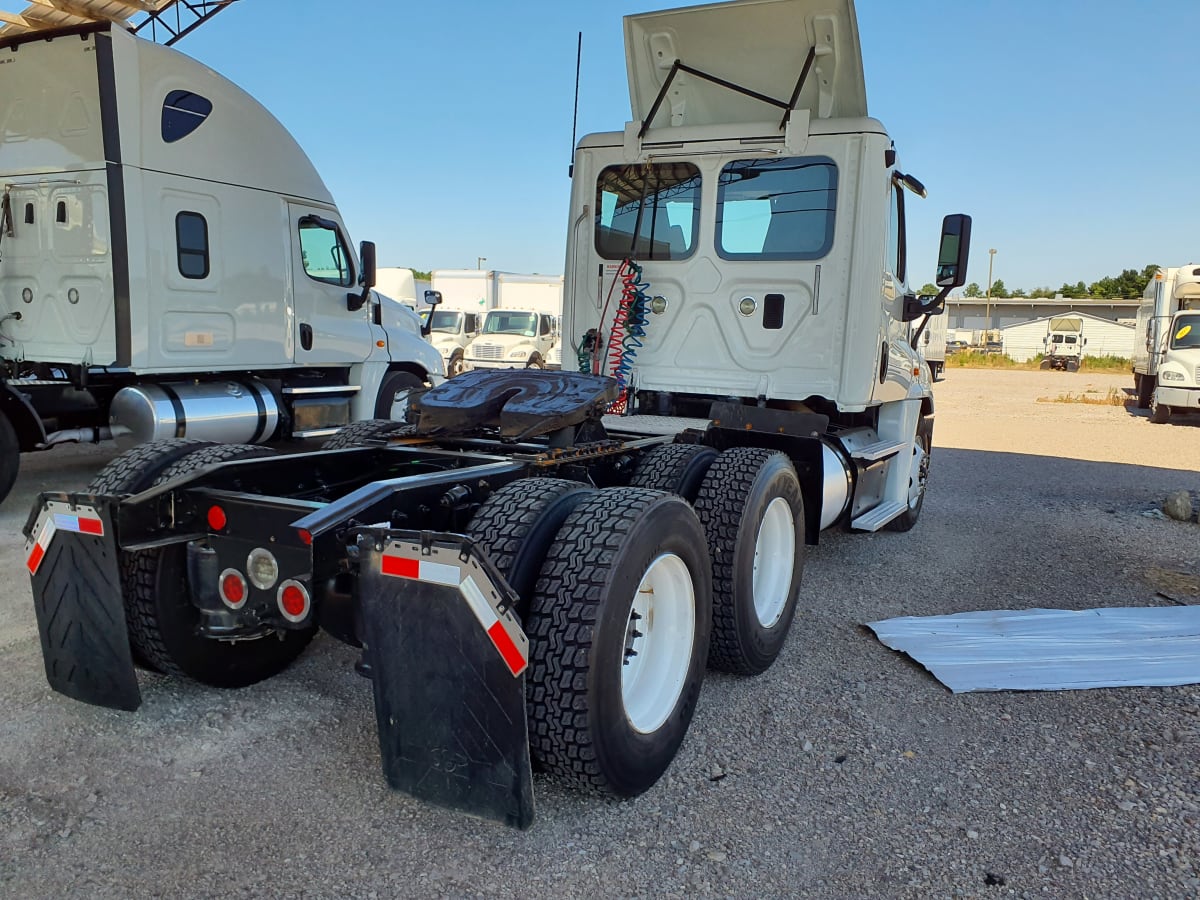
point(366, 255)
point(433, 298)
point(955, 247)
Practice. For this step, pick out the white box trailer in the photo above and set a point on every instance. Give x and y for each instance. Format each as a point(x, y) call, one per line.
point(171, 264)
point(556, 557)
point(1166, 344)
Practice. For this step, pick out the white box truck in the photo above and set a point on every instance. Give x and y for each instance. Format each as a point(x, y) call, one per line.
point(1166, 344)
point(462, 298)
point(556, 557)
point(523, 328)
point(171, 264)
point(932, 345)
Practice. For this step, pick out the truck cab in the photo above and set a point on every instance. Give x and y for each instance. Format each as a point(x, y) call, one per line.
point(1064, 343)
point(1166, 358)
point(513, 338)
point(171, 263)
point(450, 331)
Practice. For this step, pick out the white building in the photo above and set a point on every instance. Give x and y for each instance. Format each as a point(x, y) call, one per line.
point(1103, 337)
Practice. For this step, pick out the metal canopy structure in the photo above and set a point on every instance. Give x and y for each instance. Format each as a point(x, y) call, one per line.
point(162, 21)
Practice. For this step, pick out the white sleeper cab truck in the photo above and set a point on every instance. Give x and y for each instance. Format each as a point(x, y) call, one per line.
point(539, 565)
point(171, 264)
point(1166, 344)
point(1064, 342)
point(523, 328)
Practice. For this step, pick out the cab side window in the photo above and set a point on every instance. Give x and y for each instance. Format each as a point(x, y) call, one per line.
point(897, 251)
point(323, 252)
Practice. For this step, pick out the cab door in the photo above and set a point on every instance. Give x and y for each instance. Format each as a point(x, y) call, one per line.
point(324, 273)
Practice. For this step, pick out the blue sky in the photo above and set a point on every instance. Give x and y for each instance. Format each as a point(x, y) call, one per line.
point(1067, 128)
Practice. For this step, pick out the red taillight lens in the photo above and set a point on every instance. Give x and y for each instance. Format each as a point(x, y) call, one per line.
point(306, 537)
point(217, 520)
point(293, 600)
point(233, 589)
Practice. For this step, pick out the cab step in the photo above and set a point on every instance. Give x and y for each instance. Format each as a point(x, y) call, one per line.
point(878, 450)
point(879, 516)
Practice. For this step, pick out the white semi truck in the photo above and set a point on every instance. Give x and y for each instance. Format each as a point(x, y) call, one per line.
point(171, 264)
point(1166, 344)
point(541, 565)
point(932, 345)
point(523, 328)
point(1064, 343)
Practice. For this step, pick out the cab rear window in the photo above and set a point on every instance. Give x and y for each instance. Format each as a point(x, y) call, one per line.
point(773, 209)
point(649, 212)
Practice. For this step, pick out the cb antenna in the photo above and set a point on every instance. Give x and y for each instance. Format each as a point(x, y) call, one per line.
point(575, 117)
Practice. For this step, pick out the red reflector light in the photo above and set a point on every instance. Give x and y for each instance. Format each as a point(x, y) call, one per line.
point(306, 537)
point(233, 589)
point(216, 518)
point(293, 600)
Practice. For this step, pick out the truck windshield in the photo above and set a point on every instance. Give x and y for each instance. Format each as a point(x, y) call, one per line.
point(1185, 333)
point(446, 321)
point(503, 322)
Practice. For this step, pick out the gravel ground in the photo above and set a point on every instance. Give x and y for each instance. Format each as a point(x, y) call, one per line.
point(845, 771)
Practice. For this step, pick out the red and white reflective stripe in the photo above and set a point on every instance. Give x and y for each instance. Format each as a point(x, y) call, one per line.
point(499, 629)
point(496, 628)
point(38, 551)
point(421, 570)
point(79, 524)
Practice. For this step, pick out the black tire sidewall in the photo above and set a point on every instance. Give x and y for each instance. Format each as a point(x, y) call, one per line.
point(632, 760)
point(392, 383)
point(10, 456)
point(761, 644)
point(455, 365)
point(216, 663)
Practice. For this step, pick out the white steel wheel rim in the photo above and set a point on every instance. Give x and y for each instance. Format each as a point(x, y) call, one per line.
point(399, 410)
point(657, 652)
point(774, 561)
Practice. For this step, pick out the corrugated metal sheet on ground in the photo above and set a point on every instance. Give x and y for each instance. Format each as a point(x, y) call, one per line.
point(1052, 649)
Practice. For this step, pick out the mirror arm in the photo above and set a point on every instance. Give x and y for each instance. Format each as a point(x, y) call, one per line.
point(938, 301)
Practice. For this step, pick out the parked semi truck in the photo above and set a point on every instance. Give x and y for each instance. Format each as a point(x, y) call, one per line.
point(171, 264)
point(1166, 344)
point(933, 346)
point(523, 328)
point(539, 566)
point(1064, 343)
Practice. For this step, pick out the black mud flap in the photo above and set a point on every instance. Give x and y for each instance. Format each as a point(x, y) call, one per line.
point(71, 557)
point(447, 661)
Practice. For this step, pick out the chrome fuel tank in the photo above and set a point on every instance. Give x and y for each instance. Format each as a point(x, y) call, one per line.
point(232, 412)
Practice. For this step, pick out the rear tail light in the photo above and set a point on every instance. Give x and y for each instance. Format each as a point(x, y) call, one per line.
point(217, 520)
point(294, 601)
point(233, 589)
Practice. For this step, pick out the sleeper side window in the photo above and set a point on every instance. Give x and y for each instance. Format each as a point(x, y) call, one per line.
point(182, 113)
point(191, 242)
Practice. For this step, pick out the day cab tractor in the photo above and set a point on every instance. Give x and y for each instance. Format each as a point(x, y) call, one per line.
point(538, 566)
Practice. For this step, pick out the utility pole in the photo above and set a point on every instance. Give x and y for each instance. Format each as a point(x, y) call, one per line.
point(987, 316)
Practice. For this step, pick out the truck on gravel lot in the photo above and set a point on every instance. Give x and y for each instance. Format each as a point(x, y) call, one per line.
point(1166, 344)
point(171, 264)
point(1064, 342)
point(933, 346)
point(539, 566)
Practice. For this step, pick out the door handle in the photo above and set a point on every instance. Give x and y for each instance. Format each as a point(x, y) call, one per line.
point(305, 336)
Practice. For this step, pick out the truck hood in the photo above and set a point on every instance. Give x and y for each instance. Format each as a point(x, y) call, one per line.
point(759, 45)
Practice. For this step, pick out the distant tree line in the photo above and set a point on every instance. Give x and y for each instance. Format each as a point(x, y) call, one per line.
point(1129, 284)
